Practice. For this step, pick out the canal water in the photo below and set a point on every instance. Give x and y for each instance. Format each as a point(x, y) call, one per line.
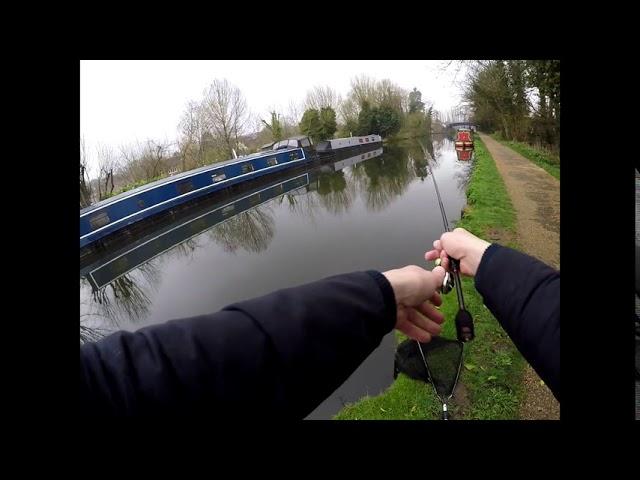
point(375, 211)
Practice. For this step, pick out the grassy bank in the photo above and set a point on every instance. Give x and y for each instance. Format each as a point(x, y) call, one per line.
point(490, 382)
point(542, 158)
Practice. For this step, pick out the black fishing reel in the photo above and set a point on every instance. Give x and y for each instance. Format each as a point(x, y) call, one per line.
point(447, 283)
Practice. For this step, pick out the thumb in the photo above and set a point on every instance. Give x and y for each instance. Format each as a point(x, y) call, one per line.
point(438, 275)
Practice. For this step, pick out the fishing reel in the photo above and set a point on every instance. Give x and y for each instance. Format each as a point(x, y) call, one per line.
point(448, 282)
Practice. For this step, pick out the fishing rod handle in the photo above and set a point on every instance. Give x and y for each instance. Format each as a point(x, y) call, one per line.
point(454, 265)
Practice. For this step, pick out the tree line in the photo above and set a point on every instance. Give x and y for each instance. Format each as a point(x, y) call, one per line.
point(518, 99)
point(220, 126)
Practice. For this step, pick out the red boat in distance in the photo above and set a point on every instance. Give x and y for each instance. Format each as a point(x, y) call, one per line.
point(464, 138)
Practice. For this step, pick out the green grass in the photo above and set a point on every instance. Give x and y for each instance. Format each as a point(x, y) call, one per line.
point(492, 371)
point(542, 158)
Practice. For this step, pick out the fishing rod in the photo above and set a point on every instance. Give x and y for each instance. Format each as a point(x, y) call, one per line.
point(464, 320)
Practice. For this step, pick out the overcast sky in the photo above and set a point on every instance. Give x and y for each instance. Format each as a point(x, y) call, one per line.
point(125, 101)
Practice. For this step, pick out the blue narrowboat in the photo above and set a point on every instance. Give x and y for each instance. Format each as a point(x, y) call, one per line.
point(107, 216)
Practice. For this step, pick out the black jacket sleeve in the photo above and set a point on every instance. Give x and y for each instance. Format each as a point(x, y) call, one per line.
point(524, 296)
point(279, 355)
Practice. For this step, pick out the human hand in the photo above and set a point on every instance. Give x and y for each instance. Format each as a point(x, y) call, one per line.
point(416, 295)
point(460, 245)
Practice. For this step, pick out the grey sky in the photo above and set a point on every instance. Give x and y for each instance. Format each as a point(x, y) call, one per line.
point(125, 101)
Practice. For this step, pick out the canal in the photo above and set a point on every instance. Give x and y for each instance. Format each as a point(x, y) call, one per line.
point(373, 212)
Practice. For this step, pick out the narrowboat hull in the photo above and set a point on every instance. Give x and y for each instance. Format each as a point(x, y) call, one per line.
point(350, 142)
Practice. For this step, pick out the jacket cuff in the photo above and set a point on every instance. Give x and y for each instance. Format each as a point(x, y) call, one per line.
point(388, 297)
point(483, 274)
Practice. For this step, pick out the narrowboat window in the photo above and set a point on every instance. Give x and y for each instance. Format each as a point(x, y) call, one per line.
point(185, 187)
point(247, 167)
point(99, 220)
point(218, 178)
point(272, 161)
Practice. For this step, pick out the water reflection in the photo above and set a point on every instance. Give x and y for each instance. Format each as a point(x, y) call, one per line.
point(335, 195)
point(251, 231)
point(384, 178)
point(464, 154)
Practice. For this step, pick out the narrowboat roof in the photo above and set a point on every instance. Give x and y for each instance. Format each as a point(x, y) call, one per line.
point(174, 178)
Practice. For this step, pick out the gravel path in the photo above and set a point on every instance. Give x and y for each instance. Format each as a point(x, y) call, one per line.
point(536, 199)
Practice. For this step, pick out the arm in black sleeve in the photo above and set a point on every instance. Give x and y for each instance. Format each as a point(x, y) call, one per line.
point(524, 296)
point(278, 355)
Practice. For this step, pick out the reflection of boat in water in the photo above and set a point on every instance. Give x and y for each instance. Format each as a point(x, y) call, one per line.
point(102, 267)
point(109, 216)
point(347, 162)
point(464, 154)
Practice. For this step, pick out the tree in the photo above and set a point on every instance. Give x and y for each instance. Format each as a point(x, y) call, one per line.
point(321, 97)
point(85, 182)
point(518, 98)
point(387, 120)
point(348, 117)
point(363, 89)
point(366, 119)
point(191, 128)
point(226, 114)
point(143, 163)
point(310, 124)
point(391, 95)
point(107, 163)
point(275, 127)
point(328, 124)
point(383, 120)
point(415, 101)
point(543, 77)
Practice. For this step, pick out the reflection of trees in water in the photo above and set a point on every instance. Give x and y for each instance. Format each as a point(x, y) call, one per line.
point(303, 204)
point(251, 230)
point(440, 143)
point(416, 155)
point(385, 178)
point(90, 333)
point(124, 299)
point(334, 193)
point(127, 297)
point(183, 249)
